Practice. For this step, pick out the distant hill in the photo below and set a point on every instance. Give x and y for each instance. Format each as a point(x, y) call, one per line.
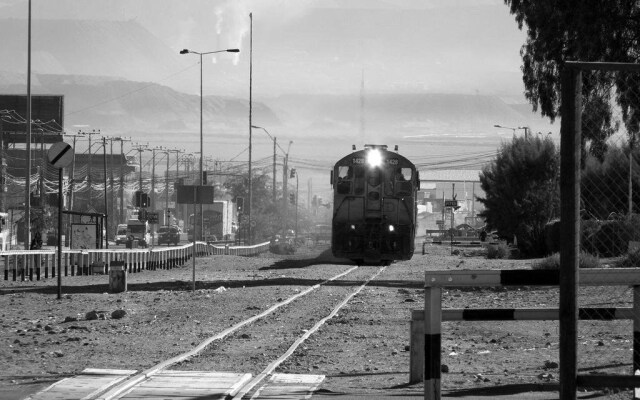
point(403, 114)
point(120, 107)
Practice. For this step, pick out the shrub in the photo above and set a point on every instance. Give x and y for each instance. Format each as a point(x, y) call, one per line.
point(498, 251)
point(553, 261)
point(630, 260)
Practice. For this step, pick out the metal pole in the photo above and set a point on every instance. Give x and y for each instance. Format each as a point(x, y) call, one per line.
point(297, 192)
point(59, 261)
point(106, 199)
point(193, 254)
point(274, 171)
point(27, 184)
point(112, 209)
point(140, 162)
point(570, 139)
point(89, 170)
point(250, 123)
point(122, 160)
point(166, 192)
point(200, 180)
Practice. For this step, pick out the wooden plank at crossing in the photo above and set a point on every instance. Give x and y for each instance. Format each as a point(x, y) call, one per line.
point(183, 385)
point(288, 387)
point(83, 385)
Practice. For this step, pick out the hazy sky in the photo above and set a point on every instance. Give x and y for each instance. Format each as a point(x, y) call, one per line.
point(321, 46)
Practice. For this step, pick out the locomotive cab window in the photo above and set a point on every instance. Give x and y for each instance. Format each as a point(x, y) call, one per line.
point(403, 174)
point(345, 175)
point(403, 181)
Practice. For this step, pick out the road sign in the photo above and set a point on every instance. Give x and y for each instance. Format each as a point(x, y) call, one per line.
point(439, 222)
point(186, 193)
point(451, 203)
point(60, 154)
point(152, 217)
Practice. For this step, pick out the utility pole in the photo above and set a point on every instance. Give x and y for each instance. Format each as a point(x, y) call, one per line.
point(89, 180)
point(106, 201)
point(140, 148)
point(274, 170)
point(285, 195)
point(175, 209)
point(121, 215)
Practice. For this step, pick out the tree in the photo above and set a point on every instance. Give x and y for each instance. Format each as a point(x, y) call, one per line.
point(522, 191)
point(263, 211)
point(595, 30)
point(603, 184)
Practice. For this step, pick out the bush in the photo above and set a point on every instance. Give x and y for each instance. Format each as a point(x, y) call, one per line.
point(498, 251)
point(631, 260)
point(611, 238)
point(553, 261)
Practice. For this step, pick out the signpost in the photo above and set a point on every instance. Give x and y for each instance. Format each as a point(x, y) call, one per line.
point(60, 155)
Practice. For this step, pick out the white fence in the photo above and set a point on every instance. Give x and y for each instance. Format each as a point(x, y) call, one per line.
point(42, 263)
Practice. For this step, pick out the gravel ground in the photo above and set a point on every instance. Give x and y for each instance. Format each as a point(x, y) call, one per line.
point(363, 349)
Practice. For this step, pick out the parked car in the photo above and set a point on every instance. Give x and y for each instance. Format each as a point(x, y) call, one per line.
point(168, 235)
point(121, 234)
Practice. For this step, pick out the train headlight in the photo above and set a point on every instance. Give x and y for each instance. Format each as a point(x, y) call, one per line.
point(391, 228)
point(374, 158)
point(353, 227)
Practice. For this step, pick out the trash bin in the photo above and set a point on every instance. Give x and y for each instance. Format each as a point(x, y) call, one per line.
point(117, 277)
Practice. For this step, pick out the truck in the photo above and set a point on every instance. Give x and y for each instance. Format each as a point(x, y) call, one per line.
point(217, 221)
point(140, 231)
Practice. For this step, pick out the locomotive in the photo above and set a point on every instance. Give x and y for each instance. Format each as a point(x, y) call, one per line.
point(374, 206)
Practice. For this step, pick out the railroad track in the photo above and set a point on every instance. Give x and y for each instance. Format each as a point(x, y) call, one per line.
point(254, 348)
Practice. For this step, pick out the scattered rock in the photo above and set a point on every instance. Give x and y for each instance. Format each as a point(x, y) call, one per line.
point(70, 319)
point(118, 314)
point(444, 368)
point(550, 364)
point(91, 315)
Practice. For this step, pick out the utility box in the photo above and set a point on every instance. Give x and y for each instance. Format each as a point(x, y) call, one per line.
point(117, 277)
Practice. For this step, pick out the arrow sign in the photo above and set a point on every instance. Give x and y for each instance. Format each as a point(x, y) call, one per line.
point(60, 154)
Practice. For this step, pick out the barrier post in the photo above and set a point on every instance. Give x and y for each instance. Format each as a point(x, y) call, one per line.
point(432, 342)
point(117, 277)
point(636, 336)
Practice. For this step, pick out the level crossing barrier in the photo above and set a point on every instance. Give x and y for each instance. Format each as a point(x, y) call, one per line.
point(42, 263)
point(428, 352)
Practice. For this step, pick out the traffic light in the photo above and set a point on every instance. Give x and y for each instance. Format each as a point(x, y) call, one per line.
point(142, 215)
point(293, 173)
point(204, 177)
point(314, 202)
point(240, 204)
point(141, 199)
point(292, 198)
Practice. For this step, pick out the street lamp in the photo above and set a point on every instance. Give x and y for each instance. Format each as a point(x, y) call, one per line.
point(525, 128)
point(275, 143)
point(187, 51)
point(295, 172)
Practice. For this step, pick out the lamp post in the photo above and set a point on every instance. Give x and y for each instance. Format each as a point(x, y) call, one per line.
point(525, 128)
point(187, 51)
point(275, 143)
point(295, 172)
point(285, 184)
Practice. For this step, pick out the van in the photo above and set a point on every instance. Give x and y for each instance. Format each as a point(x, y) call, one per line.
point(140, 231)
point(121, 234)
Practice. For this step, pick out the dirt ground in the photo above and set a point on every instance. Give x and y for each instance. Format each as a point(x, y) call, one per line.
point(363, 349)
